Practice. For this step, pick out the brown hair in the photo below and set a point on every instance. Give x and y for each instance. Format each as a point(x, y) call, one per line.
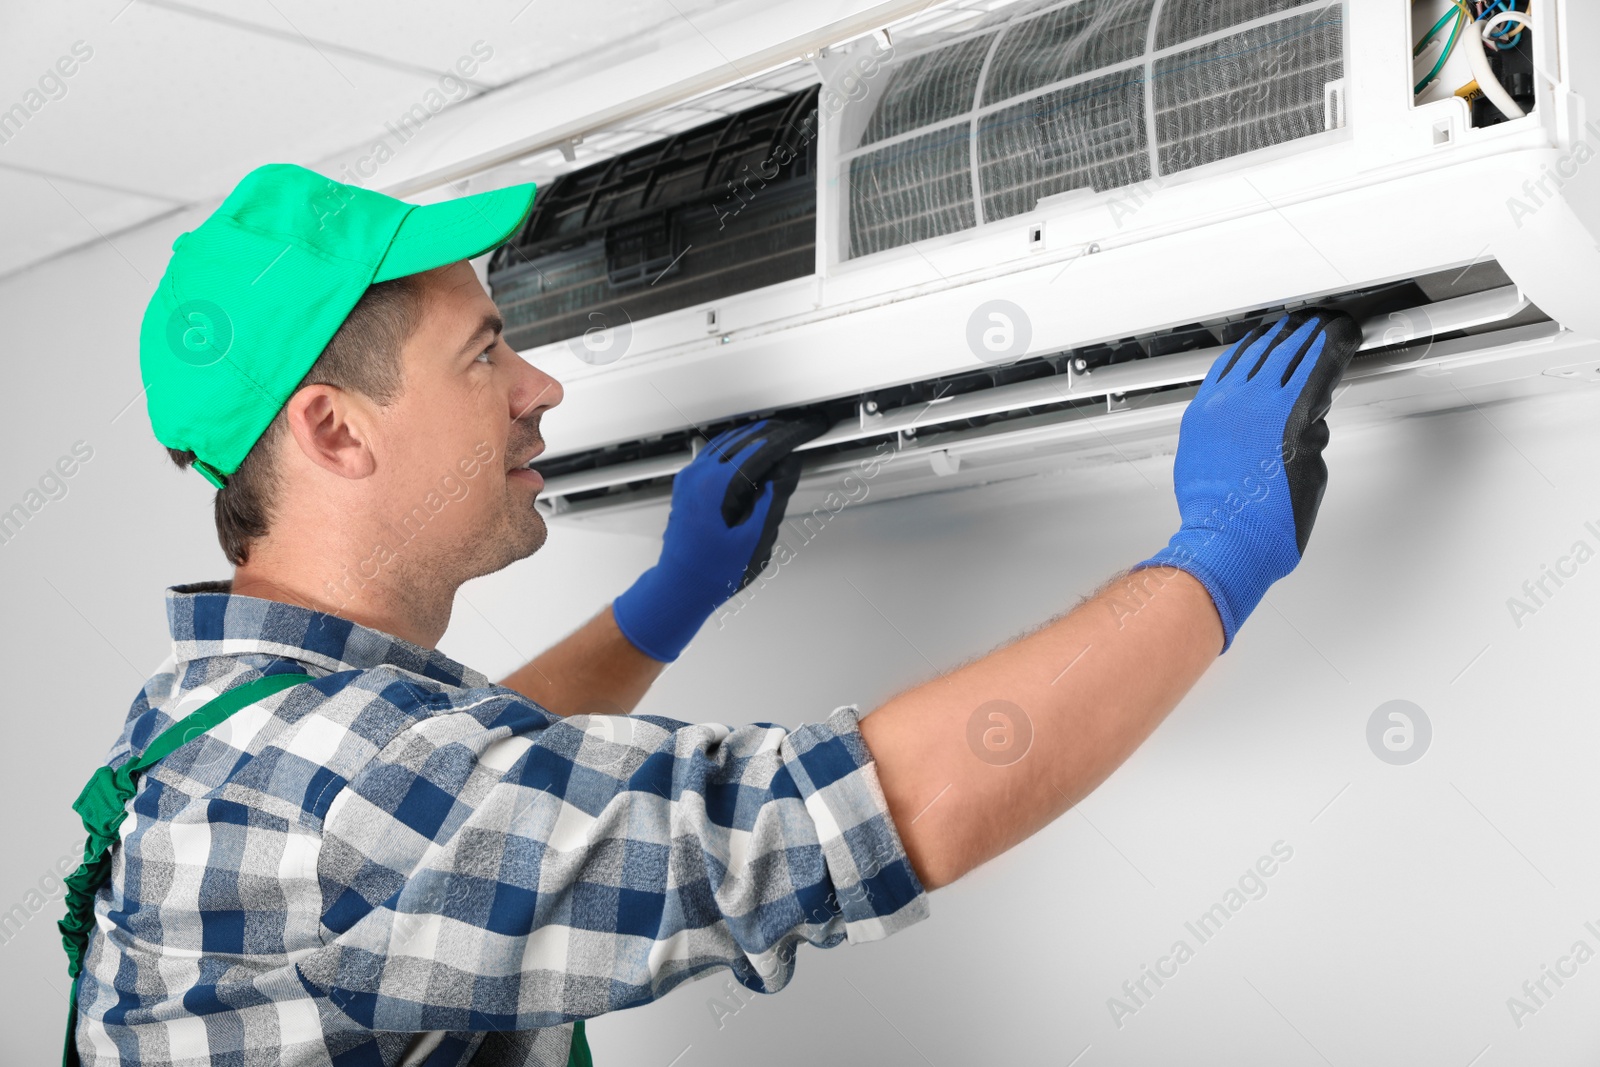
point(363, 356)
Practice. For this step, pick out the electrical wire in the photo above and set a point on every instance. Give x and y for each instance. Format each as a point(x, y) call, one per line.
point(1453, 13)
point(1505, 17)
point(1478, 56)
point(1462, 17)
point(1491, 16)
point(1502, 7)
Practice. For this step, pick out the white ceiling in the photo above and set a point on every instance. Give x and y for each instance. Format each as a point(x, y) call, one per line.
point(180, 98)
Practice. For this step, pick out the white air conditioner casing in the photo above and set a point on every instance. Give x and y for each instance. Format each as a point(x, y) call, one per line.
point(1395, 189)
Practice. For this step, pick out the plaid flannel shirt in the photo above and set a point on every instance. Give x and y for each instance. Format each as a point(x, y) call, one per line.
point(400, 862)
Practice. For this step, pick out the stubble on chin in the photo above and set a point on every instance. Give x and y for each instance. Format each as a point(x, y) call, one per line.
point(519, 534)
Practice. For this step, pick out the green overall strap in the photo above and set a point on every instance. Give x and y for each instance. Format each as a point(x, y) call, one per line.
point(578, 1054)
point(103, 805)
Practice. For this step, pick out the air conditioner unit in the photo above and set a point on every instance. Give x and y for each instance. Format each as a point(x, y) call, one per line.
point(1010, 238)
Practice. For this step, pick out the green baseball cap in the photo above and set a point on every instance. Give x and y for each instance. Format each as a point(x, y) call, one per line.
point(252, 296)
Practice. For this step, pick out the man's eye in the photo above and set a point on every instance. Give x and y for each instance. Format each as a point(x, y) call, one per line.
point(484, 355)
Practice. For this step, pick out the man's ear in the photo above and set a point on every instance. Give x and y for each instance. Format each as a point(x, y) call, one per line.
point(333, 429)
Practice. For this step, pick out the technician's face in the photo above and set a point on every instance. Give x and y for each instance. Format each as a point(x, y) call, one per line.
point(467, 418)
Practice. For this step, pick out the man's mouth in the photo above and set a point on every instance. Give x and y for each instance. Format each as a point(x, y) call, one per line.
point(526, 473)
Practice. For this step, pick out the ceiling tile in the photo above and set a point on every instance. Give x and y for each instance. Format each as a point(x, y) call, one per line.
point(522, 37)
point(172, 106)
point(41, 216)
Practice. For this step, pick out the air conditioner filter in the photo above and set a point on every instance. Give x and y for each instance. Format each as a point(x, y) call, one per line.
point(1084, 95)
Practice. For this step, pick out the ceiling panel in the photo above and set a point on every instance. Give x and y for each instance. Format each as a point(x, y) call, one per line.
point(522, 36)
point(41, 216)
point(172, 106)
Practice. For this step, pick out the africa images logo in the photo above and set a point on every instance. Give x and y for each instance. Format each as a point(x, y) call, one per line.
point(199, 332)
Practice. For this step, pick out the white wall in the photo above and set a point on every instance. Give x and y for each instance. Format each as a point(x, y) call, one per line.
point(1415, 904)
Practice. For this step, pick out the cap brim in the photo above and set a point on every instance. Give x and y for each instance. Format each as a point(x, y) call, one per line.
point(432, 235)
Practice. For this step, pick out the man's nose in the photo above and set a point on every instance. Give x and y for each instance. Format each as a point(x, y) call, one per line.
point(536, 392)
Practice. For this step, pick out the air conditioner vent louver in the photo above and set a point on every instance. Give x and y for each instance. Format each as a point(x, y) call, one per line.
point(1074, 384)
point(717, 210)
point(1226, 77)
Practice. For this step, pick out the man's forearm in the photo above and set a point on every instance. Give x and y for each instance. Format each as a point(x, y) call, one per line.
point(593, 670)
point(1090, 686)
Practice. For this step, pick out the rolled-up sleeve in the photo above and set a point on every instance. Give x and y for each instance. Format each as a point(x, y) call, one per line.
point(497, 867)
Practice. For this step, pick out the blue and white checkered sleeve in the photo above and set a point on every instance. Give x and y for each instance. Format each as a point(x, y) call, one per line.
point(500, 868)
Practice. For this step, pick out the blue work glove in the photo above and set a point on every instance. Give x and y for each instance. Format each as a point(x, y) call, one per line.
point(1249, 473)
point(726, 507)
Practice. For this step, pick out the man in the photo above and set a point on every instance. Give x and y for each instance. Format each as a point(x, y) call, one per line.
point(395, 860)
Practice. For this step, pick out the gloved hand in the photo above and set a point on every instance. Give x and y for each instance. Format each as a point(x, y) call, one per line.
point(1249, 473)
point(726, 506)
